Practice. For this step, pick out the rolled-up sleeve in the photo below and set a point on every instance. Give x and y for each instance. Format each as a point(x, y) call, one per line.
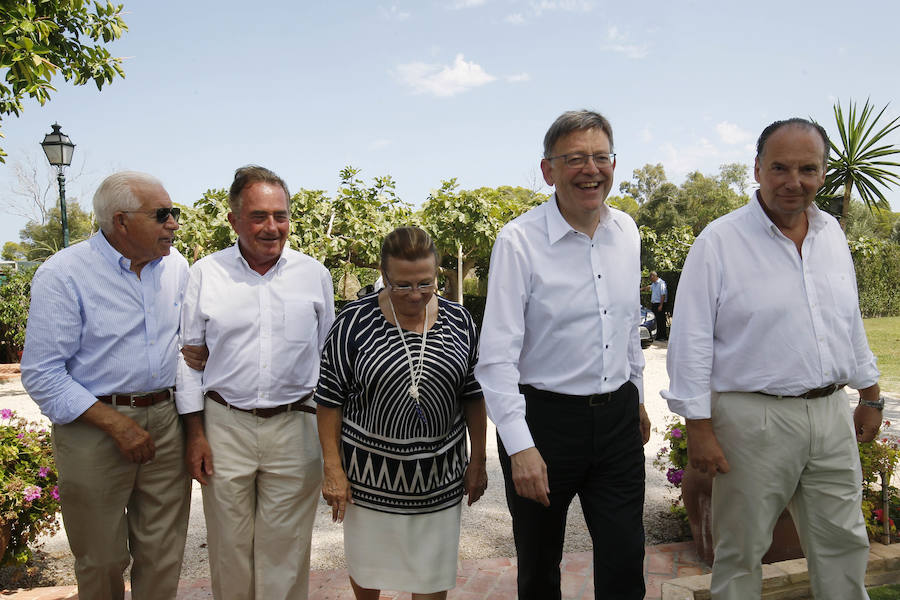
point(189, 382)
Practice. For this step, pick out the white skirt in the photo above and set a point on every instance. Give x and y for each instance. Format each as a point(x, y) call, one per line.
point(406, 553)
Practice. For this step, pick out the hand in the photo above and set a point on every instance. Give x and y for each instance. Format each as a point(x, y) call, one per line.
point(133, 441)
point(336, 491)
point(645, 425)
point(529, 474)
point(867, 422)
point(475, 480)
point(198, 456)
point(704, 452)
point(195, 356)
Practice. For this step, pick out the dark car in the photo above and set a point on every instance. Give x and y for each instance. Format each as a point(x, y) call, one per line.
point(647, 328)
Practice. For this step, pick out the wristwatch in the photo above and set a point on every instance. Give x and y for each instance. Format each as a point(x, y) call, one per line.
point(879, 404)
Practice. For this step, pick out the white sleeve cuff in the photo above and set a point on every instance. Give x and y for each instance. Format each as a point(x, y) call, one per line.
point(698, 407)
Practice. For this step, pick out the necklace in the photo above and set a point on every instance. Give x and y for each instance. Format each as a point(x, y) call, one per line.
point(415, 375)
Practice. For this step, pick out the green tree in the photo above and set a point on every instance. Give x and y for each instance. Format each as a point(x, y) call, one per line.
point(465, 223)
point(646, 181)
point(41, 240)
point(661, 211)
point(13, 251)
point(665, 250)
point(624, 203)
point(42, 38)
point(861, 160)
point(204, 228)
point(702, 199)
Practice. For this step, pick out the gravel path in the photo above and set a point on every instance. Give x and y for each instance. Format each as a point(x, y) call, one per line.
point(486, 528)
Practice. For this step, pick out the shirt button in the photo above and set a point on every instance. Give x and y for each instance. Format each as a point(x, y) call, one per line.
point(604, 311)
point(599, 276)
point(607, 346)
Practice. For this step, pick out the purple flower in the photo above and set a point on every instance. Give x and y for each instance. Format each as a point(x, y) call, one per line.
point(6, 414)
point(20, 435)
point(676, 433)
point(43, 472)
point(55, 492)
point(674, 476)
point(32, 492)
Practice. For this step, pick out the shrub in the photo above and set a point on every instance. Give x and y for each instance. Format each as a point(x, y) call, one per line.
point(877, 264)
point(15, 295)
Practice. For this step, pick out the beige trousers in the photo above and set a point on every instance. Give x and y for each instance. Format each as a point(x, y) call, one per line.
point(115, 511)
point(261, 502)
point(794, 453)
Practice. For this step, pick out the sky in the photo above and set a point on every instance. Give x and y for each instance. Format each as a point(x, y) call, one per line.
point(430, 90)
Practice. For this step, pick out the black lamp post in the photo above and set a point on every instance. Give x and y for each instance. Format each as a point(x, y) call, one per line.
point(59, 149)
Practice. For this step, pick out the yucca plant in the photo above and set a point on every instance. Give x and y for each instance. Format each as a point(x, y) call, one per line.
point(862, 162)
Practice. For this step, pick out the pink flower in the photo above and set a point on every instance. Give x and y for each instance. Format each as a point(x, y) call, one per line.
point(54, 493)
point(887, 423)
point(32, 492)
point(20, 435)
point(675, 476)
point(6, 414)
point(43, 472)
point(676, 433)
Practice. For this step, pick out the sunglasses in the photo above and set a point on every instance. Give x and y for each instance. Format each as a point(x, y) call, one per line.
point(161, 214)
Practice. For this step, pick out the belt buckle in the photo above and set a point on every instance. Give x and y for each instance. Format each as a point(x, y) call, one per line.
point(598, 399)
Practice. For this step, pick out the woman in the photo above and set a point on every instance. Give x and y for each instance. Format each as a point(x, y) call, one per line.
point(396, 393)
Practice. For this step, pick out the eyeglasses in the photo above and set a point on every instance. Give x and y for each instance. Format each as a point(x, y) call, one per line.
point(161, 214)
point(422, 288)
point(578, 160)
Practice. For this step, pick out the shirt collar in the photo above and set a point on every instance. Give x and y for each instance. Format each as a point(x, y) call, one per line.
point(813, 215)
point(115, 258)
point(558, 227)
point(282, 260)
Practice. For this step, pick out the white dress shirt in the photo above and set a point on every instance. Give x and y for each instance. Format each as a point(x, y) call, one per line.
point(95, 329)
point(264, 332)
point(562, 314)
point(752, 315)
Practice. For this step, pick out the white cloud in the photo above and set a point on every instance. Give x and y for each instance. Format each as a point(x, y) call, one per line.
point(515, 18)
point(540, 6)
point(619, 42)
point(518, 78)
point(732, 134)
point(379, 144)
point(394, 13)
point(458, 4)
point(691, 157)
point(446, 80)
point(646, 134)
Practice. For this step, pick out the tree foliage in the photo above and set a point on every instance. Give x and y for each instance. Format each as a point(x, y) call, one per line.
point(39, 241)
point(468, 221)
point(646, 181)
point(861, 161)
point(15, 296)
point(877, 264)
point(42, 38)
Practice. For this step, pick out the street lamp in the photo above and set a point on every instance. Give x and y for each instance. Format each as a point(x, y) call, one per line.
point(59, 149)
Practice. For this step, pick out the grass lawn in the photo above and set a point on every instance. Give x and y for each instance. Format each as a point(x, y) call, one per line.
point(884, 339)
point(885, 592)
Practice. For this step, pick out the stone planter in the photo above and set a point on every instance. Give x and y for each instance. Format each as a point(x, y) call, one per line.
point(696, 491)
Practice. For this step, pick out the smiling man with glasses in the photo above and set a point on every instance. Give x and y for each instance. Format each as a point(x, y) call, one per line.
point(562, 371)
point(100, 356)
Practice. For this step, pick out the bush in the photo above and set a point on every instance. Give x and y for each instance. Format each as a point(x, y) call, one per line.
point(15, 295)
point(29, 497)
point(877, 264)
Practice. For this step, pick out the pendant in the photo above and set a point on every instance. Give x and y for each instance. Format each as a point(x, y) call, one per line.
point(420, 413)
point(414, 392)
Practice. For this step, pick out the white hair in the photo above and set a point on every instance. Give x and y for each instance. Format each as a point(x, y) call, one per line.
point(117, 193)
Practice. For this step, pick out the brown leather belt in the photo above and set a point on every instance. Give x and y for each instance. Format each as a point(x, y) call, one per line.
point(266, 412)
point(816, 393)
point(138, 400)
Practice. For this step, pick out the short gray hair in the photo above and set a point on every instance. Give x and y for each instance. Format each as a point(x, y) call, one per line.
point(576, 120)
point(117, 193)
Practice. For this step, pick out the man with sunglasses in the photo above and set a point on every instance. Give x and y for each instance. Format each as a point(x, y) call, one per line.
point(263, 310)
point(100, 357)
point(562, 370)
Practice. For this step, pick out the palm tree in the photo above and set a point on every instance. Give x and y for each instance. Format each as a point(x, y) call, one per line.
point(861, 163)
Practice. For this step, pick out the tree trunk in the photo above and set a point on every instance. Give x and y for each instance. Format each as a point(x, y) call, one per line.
point(845, 207)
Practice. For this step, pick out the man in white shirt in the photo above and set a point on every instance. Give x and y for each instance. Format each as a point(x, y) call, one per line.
point(658, 297)
point(562, 370)
point(766, 333)
point(263, 310)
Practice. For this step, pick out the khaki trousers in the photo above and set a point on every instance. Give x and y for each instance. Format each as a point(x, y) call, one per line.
point(115, 511)
point(260, 502)
point(794, 453)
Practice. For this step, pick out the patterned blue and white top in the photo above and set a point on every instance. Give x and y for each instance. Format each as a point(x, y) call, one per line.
point(396, 461)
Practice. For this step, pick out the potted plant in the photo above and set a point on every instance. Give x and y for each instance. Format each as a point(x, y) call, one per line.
point(30, 496)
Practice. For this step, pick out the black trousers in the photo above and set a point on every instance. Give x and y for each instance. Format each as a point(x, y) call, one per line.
point(595, 453)
point(661, 333)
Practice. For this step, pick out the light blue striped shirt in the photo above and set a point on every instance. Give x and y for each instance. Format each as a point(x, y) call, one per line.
point(94, 328)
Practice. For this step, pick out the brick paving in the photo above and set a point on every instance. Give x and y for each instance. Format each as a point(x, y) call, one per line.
point(479, 579)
